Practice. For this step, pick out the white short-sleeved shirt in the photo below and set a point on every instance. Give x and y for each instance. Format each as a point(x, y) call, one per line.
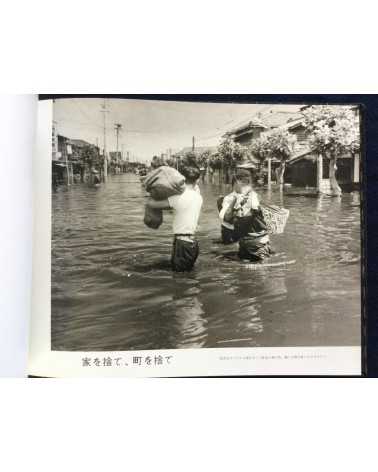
point(252, 202)
point(186, 211)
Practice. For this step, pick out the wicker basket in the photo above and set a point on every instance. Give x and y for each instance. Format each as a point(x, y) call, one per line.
point(275, 218)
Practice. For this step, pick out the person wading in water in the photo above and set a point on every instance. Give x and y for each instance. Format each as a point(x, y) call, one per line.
point(186, 211)
point(241, 195)
point(244, 220)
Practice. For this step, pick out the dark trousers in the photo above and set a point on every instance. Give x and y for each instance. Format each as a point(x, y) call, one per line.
point(250, 248)
point(228, 235)
point(184, 255)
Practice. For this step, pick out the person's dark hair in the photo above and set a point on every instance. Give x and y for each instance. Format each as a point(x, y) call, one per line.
point(242, 175)
point(191, 158)
point(156, 162)
point(191, 174)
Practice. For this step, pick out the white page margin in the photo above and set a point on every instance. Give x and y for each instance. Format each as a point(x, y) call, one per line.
point(17, 128)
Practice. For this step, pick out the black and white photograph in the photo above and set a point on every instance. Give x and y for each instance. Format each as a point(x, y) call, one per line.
point(204, 225)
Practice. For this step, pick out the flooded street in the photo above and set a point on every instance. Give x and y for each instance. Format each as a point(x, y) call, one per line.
point(111, 291)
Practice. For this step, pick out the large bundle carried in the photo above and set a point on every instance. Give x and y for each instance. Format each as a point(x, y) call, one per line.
point(153, 217)
point(161, 183)
point(164, 182)
point(275, 218)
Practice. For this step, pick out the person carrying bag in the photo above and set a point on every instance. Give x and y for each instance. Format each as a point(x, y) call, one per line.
point(161, 183)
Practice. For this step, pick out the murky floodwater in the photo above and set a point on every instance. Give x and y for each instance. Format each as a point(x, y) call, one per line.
point(110, 290)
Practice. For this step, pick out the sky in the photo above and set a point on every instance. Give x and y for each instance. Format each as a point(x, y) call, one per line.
point(151, 127)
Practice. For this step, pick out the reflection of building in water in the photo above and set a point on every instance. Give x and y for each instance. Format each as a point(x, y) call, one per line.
point(254, 309)
point(261, 316)
point(181, 322)
point(190, 323)
point(272, 291)
point(320, 203)
point(250, 318)
point(355, 198)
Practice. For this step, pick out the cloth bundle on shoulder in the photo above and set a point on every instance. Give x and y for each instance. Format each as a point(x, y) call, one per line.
point(161, 183)
point(164, 182)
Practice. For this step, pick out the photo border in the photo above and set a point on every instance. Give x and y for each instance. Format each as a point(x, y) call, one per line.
point(368, 105)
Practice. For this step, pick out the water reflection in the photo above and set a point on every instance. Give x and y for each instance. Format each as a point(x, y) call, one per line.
point(112, 288)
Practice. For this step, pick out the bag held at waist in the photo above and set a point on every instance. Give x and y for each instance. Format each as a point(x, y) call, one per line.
point(153, 217)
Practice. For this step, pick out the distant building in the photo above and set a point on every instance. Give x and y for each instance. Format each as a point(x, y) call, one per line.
point(60, 166)
point(64, 148)
point(304, 168)
point(252, 128)
point(77, 145)
point(115, 156)
point(67, 158)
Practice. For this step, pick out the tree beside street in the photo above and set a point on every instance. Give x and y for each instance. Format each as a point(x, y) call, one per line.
point(231, 154)
point(259, 150)
point(332, 133)
point(88, 157)
point(204, 158)
point(279, 144)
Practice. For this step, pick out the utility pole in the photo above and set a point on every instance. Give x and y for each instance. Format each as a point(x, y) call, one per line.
point(193, 143)
point(105, 111)
point(123, 158)
point(117, 128)
point(97, 146)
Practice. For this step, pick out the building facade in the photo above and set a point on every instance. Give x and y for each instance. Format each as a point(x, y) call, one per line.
point(305, 168)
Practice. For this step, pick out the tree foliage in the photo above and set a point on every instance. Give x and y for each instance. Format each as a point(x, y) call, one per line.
point(203, 159)
point(215, 161)
point(332, 131)
point(231, 153)
point(259, 148)
point(279, 144)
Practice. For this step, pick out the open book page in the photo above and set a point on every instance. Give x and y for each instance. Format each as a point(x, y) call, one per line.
point(17, 125)
point(137, 271)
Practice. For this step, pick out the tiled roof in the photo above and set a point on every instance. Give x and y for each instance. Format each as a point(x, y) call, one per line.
point(270, 119)
point(248, 124)
point(275, 119)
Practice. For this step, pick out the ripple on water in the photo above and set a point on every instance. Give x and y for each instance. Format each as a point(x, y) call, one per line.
point(112, 288)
